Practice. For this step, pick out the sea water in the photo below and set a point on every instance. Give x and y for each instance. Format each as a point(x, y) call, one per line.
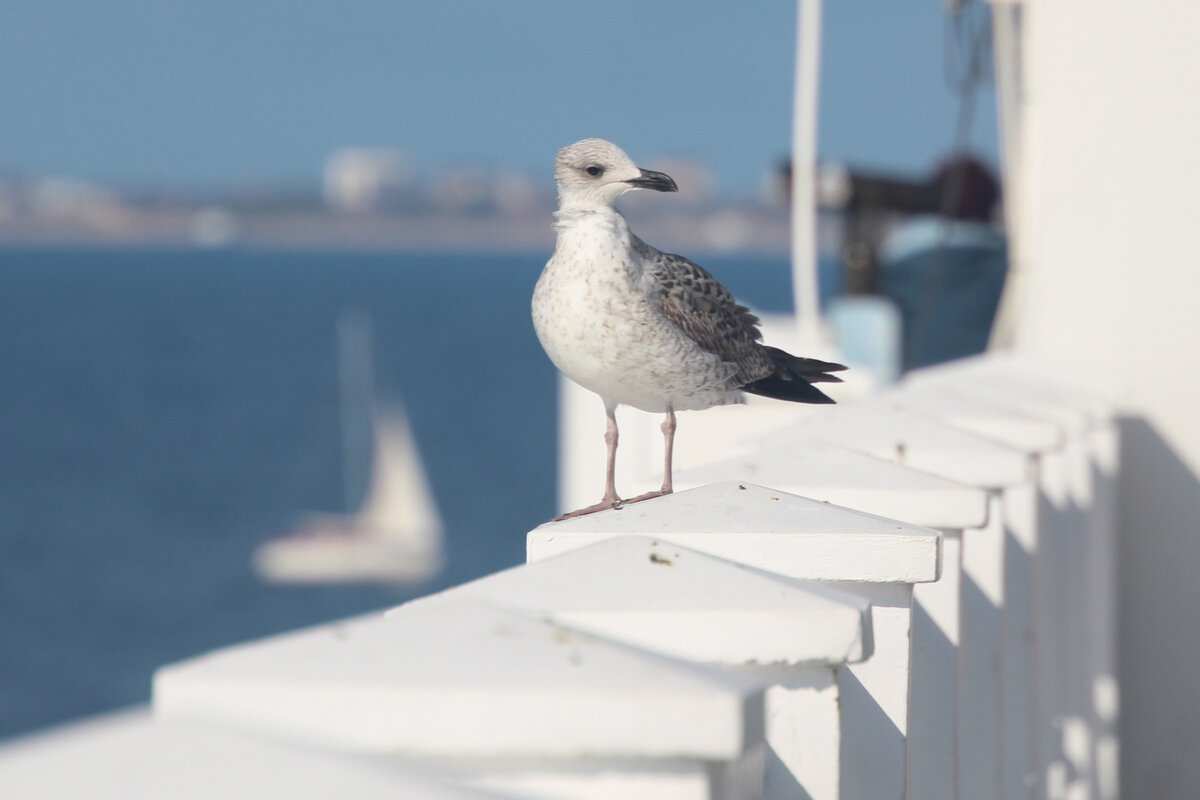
point(163, 411)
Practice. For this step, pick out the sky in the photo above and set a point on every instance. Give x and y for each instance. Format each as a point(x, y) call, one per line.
point(230, 92)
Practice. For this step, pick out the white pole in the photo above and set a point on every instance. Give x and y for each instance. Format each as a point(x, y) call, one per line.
point(1006, 32)
point(804, 162)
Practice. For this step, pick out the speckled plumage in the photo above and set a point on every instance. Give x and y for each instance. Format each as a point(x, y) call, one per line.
point(641, 327)
point(635, 325)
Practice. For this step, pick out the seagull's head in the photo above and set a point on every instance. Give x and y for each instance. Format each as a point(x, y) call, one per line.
point(593, 173)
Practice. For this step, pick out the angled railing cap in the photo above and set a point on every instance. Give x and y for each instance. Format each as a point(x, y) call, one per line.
point(979, 415)
point(853, 479)
point(129, 755)
point(465, 679)
point(680, 602)
point(765, 528)
point(908, 438)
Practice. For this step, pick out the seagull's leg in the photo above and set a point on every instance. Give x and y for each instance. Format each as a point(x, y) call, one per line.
point(610, 500)
point(610, 466)
point(668, 429)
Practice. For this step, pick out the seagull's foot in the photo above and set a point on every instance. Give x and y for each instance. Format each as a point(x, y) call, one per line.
point(603, 505)
point(648, 496)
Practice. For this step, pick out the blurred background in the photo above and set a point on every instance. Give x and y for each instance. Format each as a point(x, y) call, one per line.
point(193, 197)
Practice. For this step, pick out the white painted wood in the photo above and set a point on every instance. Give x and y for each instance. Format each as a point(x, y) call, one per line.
point(683, 603)
point(849, 478)
point(679, 602)
point(1019, 734)
point(875, 701)
point(1078, 568)
point(763, 528)
point(933, 706)
point(606, 778)
point(1034, 388)
point(995, 692)
point(1082, 726)
point(1077, 581)
point(995, 401)
point(984, 428)
point(979, 686)
point(798, 537)
point(1068, 614)
point(838, 475)
point(977, 411)
point(1103, 450)
point(884, 431)
point(861, 481)
point(129, 755)
point(804, 730)
point(1048, 419)
point(464, 681)
point(1049, 617)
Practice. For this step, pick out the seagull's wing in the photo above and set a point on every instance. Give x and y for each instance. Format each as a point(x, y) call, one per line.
point(706, 312)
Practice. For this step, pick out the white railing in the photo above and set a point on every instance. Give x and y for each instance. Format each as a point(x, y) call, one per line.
point(905, 596)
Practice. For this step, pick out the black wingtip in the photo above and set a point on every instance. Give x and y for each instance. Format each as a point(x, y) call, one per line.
point(795, 390)
point(810, 369)
point(794, 377)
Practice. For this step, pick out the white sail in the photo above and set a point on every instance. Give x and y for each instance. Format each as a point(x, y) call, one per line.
point(396, 537)
point(396, 534)
point(399, 506)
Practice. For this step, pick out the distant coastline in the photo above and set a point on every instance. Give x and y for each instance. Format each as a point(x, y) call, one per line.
point(370, 199)
point(756, 231)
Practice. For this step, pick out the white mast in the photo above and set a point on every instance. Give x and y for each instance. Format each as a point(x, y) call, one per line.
point(804, 162)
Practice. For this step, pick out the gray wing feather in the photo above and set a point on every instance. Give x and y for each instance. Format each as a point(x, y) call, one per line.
point(707, 314)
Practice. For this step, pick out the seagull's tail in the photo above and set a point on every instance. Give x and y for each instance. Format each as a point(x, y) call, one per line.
point(793, 378)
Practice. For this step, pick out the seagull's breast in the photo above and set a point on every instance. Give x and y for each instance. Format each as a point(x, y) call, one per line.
point(601, 323)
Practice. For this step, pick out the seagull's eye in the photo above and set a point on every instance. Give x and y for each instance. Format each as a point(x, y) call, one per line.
point(595, 171)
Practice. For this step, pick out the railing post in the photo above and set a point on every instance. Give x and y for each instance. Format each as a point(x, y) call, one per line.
point(662, 596)
point(839, 475)
point(802, 538)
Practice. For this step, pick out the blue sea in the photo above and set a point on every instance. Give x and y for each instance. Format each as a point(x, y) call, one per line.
point(163, 411)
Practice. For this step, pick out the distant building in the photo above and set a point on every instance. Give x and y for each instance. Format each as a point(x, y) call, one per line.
point(359, 180)
point(463, 190)
point(517, 195)
point(65, 197)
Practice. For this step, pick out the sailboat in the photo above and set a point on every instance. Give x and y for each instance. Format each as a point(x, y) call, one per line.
point(396, 535)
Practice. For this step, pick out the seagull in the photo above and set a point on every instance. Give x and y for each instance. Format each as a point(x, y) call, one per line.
point(641, 327)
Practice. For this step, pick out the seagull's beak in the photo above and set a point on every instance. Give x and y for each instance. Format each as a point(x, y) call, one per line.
point(658, 181)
